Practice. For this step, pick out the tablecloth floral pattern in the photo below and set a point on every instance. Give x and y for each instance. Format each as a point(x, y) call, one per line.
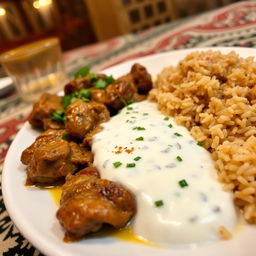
point(234, 25)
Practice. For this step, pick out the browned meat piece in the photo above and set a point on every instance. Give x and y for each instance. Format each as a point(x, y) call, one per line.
point(88, 137)
point(141, 78)
point(80, 83)
point(40, 117)
point(82, 117)
point(119, 91)
point(50, 158)
point(88, 202)
point(98, 95)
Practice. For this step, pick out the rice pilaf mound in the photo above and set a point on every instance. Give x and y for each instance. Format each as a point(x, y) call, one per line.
point(214, 96)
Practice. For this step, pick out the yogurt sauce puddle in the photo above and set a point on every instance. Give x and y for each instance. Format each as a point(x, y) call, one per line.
point(179, 200)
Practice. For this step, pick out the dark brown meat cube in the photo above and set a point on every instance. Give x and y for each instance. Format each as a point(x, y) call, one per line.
point(80, 83)
point(40, 117)
point(82, 117)
point(141, 78)
point(119, 91)
point(50, 158)
point(88, 202)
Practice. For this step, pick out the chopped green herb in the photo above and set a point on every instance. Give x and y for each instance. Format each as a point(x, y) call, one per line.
point(130, 165)
point(135, 112)
point(183, 183)
point(82, 72)
point(117, 164)
point(109, 79)
point(177, 134)
point(129, 101)
point(179, 159)
point(92, 76)
point(84, 93)
point(139, 138)
point(159, 203)
point(166, 118)
point(133, 117)
point(126, 102)
point(129, 108)
point(65, 136)
point(169, 145)
point(127, 113)
point(145, 114)
point(100, 84)
point(66, 100)
point(59, 116)
point(170, 125)
point(200, 143)
point(139, 128)
point(137, 158)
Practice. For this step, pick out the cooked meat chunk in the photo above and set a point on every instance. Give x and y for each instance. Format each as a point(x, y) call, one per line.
point(119, 92)
point(40, 117)
point(88, 202)
point(88, 137)
point(141, 78)
point(98, 95)
point(82, 117)
point(80, 83)
point(50, 158)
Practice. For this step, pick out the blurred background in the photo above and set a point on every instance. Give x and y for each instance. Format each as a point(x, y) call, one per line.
point(82, 22)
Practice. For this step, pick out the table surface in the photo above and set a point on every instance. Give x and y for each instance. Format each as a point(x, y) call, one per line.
point(234, 25)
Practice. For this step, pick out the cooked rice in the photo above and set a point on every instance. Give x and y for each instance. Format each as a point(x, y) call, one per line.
point(214, 96)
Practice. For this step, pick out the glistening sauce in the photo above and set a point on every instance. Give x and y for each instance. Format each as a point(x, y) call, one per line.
point(179, 199)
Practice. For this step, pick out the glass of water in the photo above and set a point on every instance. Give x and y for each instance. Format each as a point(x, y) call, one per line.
point(35, 68)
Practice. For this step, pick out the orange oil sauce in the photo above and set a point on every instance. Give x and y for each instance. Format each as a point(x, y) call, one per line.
point(125, 234)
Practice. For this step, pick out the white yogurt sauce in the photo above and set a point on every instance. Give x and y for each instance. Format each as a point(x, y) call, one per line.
point(179, 200)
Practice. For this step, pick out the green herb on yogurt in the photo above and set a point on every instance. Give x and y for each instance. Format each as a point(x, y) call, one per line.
point(130, 165)
point(137, 158)
point(139, 128)
point(177, 134)
point(183, 183)
point(179, 159)
point(166, 118)
point(170, 125)
point(139, 138)
point(117, 164)
point(159, 203)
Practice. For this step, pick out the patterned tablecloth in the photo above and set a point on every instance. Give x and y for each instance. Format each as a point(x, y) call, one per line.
point(234, 25)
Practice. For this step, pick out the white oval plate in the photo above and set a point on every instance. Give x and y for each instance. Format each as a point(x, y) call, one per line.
point(33, 210)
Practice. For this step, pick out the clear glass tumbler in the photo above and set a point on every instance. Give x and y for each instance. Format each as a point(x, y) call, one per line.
point(35, 68)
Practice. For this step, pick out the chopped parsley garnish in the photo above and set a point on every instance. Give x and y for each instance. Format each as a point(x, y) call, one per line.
point(159, 203)
point(200, 143)
point(170, 125)
point(179, 159)
point(129, 108)
point(183, 183)
point(102, 83)
point(59, 116)
point(130, 165)
point(139, 138)
point(82, 72)
point(65, 136)
point(117, 164)
point(137, 158)
point(127, 113)
point(83, 94)
point(139, 128)
point(92, 76)
point(166, 118)
point(145, 114)
point(127, 102)
point(177, 134)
